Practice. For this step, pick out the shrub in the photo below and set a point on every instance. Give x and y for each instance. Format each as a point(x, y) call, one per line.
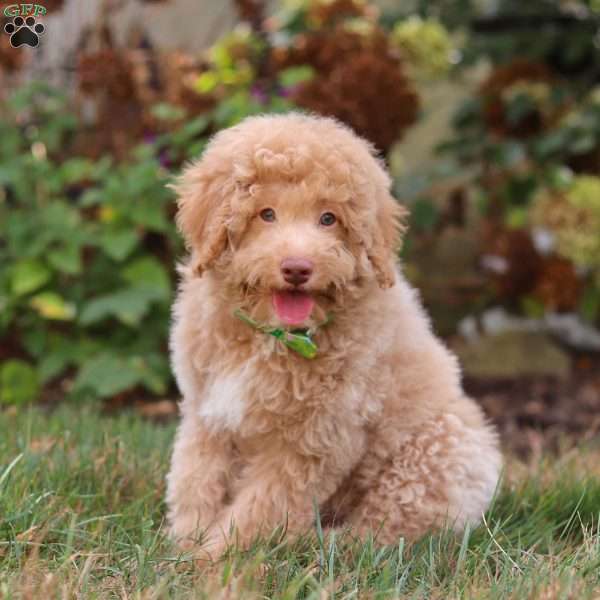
point(85, 259)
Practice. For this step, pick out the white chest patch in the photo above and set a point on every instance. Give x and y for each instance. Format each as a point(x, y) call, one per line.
point(223, 403)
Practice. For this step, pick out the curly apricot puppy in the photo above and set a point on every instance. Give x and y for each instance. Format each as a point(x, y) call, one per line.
point(293, 236)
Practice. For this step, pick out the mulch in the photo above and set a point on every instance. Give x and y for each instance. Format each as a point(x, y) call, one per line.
point(535, 414)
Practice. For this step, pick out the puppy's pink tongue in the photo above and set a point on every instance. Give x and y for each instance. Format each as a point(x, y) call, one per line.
point(293, 308)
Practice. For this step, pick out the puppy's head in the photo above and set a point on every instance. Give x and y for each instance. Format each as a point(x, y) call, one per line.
point(292, 214)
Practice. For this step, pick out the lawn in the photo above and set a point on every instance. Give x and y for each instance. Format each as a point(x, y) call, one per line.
point(82, 515)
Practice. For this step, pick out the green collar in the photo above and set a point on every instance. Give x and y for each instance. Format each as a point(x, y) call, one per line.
point(299, 340)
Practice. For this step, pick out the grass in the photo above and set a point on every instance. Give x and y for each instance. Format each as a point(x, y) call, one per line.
point(82, 510)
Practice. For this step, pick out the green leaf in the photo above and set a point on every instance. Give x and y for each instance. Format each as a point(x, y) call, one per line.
point(424, 214)
point(509, 154)
point(468, 113)
point(148, 272)
point(119, 244)
point(61, 219)
point(589, 306)
point(52, 307)
point(149, 214)
point(51, 366)
point(560, 177)
point(167, 112)
point(519, 191)
point(194, 127)
point(129, 306)
point(18, 382)
point(153, 371)
point(75, 170)
point(29, 275)
point(516, 217)
point(207, 82)
point(66, 259)
point(519, 108)
point(106, 375)
point(295, 75)
point(551, 144)
point(7, 311)
point(532, 307)
point(91, 197)
point(583, 144)
point(60, 351)
point(34, 339)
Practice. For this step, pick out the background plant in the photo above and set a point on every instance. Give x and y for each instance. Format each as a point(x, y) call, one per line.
point(88, 246)
point(528, 130)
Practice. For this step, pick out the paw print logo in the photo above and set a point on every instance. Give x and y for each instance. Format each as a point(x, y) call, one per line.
point(24, 32)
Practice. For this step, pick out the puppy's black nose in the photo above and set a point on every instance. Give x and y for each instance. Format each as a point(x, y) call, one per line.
point(296, 270)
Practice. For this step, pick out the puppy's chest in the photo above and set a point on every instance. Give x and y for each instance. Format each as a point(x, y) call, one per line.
point(225, 399)
point(255, 398)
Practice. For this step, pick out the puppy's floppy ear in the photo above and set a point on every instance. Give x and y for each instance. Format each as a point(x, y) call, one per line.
point(203, 211)
point(389, 227)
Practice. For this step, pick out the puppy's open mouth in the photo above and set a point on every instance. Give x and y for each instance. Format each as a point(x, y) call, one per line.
point(293, 307)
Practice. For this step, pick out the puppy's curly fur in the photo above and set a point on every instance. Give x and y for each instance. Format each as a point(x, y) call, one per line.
point(376, 430)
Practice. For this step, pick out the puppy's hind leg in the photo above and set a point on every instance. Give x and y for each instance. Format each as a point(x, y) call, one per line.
point(444, 473)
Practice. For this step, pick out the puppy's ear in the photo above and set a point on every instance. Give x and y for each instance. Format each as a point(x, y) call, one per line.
point(203, 211)
point(389, 227)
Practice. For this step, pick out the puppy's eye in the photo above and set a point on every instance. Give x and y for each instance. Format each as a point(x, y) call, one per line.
point(267, 214)
point(327, 219)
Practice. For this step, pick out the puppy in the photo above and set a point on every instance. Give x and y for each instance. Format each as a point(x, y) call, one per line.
point(309, 372)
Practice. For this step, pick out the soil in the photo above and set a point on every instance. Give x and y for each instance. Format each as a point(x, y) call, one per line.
point(543, 413)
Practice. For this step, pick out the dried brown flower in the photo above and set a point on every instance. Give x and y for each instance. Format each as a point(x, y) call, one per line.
point(358, 80)
point(53, 5)
point(558, 288)
point(106, 83)
point(520, 75)
point(11, 59)
point(518, 262)
point(107, 70)
point(330, 13)
point(178, 72)
point(251, 11)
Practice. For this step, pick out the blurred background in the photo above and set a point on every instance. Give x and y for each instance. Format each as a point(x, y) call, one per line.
point(487, 113)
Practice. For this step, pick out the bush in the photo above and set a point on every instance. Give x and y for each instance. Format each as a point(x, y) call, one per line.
point(85, 259)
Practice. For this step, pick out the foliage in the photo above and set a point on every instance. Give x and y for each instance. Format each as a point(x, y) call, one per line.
point(427, 43)
point(82, 514)
point(575, 140)
point(85, 261)
point(232, 62)
point(88, 249)
point(360, 76)
point(333, 58)
point(527, 144)
point(573, 216)
point(560, 34)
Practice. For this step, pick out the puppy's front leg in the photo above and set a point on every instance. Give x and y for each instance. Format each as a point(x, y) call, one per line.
point(282, 488)
point(197, 481)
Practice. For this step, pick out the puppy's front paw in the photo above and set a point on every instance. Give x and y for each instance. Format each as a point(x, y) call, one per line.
point(186, 531)
point(203, 546)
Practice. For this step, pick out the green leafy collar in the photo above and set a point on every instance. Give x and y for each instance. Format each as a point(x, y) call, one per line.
point(298, 340)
